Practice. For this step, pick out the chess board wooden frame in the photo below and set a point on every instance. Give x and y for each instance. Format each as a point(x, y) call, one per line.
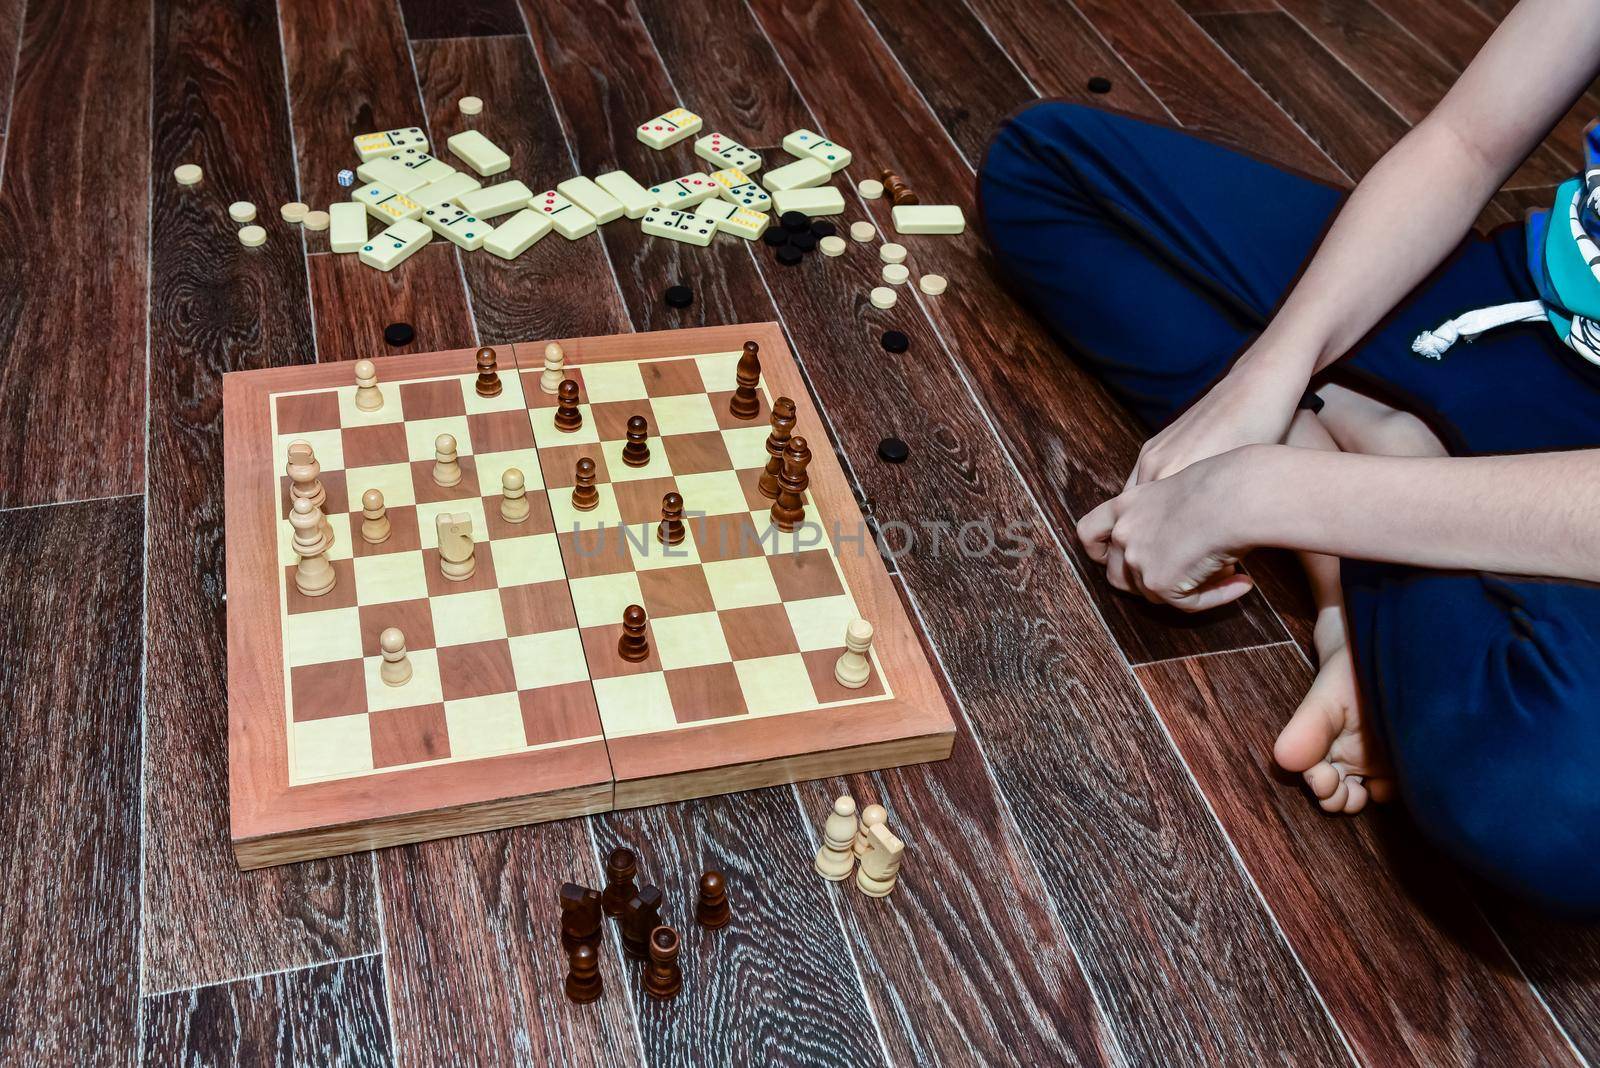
point(274, 822)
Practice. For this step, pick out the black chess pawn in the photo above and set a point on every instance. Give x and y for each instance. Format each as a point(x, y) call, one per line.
point(663, 979)
point(746, 403)
point(583, 980)
point(783, 418)
point(621, 869)
point(568, 417)
point(584, 495)
point(488, 384)
point(633, 646)
point(580, 916)
point(712, 909)
point(636, 453)
point(789, 509)
point(640, 916)
point(670, 530)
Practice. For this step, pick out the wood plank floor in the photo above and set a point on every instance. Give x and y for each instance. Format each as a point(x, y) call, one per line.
point(1107, 870)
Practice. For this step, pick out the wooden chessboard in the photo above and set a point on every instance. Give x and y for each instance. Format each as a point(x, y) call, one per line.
point(519, 708)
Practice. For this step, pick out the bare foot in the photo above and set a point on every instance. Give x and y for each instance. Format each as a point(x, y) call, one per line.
point(1326, 739)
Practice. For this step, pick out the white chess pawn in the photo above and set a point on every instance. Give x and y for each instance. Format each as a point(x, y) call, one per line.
point(871, 816)
point(881, 864)
point(554, 361)
point(853, 668)
point(369, 398)
point(313, 576)
point(305, 481)
point(396, 667)
point(514, 506)
point(834, 858)
point(457, 553)
point(375, 518)
point(446, 467)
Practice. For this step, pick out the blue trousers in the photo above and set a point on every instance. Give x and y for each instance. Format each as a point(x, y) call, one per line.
point(1156, 257)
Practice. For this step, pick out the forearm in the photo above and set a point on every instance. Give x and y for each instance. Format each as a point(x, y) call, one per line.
point(1534, 514)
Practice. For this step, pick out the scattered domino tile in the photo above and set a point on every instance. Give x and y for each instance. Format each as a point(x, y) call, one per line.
point(928, 219)
point(824, 200)
point(373, 145)
point(591, 198)
point(385, 204)
point(241, 211)
point(570, 221)
point(450, 187)
point(679, 226)
point(252, 236)
point(318, 220)
point(347, 228)
point(832, 246)
point(457, 226)
point(882, 297)
point(494, 200)
point(421, 164)
point(514, 236)
point(669, 129)
point(732, 219)
point(870, 188)
point(863, 231)
point(469, 105)
point(892, 253)
point(684, 192)
point(188, 174)
point(389, 171)
point(294, 211)
point(635, 198)
point(801, 174)
point(932, 284)
point(390, 248)
point(896, 273)
point(739, 188)
point(810, 145)
point(724, 151)
point(715, 209)
point(480, 153)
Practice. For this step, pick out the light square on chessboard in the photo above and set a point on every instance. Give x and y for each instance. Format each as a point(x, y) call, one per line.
point(318, 637)
point(317, 691)
point(763, 630)
point(492, 465)
point(601, 599)
point(803, 575)
point(343, 594)
point(711, 493)
point(563, 713)
point(551, 658)
point(369, 446)
point(650, 553)
point(403, 534)
point(820, 664)
point(500, 528)
point(330, 748)
point(611, 419)
point(634, 704)
point(640, 502)
point(485, 726)
point(820, 622)
point(607, 382)
point(560, 464)
point(672, 378)
point(414, 618)
point(711, 691)
point(335, 496)
point(776, 684)
point(327, 445)
point(604, 660)
point(547, 436)
point(747, 446)
point(423, 688)
point(725, 537)
point(390, 577)
point(689, 641)
point(686, 414)
point(693, 454)
point(656, 467)
point(718, 371)
point(422, 433)
point(428, 491)
point(300, 413)
point(593, 553)
point(567, 519)
point(537, 608)
point(464, 618)
point(483, 575)
point(392, 480)
point(476, 670)
point(428, 523)
point(505, 431)
point(534, 396)
point(675, 591)
point(409, 736)
point(740, 583)
point(526, 560)
point(434, 398)
point(393, 410)
point(340, 550)
point(509, 398)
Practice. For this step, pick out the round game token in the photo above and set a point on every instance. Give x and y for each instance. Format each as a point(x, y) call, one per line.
point(294, 211)
point(315, 220)
point(241, 211)
point(871, 188)
point(882, 297)
point(679, 296)
point(788, 255)
point(776, 236)
point(863, 231)
point(932, 284)
point(795, 221)
point(896, 273)
point(1098, 84)
point(821, 228)
point(188, 174)
point(252, 236)
point(469, 105)
point(893, 451)
point(398, 334)
point(895, 341)
point(832, 246)
point(805, 241)
point(892, 253)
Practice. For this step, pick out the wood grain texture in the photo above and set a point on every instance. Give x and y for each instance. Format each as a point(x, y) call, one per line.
point(69, 890)
point(219, 71)
point(558, 288)
point(1562, 961)
point(74, 211)
point(331, 1014)
point(462, 18)
point(1353, 125)
point(10, 37)
point(354, 303)
point(1399, 953)
point(1071, 442)
point(474, 952)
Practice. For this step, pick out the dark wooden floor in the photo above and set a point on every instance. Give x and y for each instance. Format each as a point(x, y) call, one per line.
point(1107, 871)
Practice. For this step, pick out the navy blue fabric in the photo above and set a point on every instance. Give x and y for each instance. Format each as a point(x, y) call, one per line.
point(1156, 256)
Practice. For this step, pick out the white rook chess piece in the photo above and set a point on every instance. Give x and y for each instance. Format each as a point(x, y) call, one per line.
point(446, 467)
point(853, 668)
point(834, 858)
point(514, 507)
point(369, 398)
point(881, 864)
point(396, 667)
point(554, 361)
point(871, 816)
point(457, 559)
point(375, 518)
point(313, 576)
